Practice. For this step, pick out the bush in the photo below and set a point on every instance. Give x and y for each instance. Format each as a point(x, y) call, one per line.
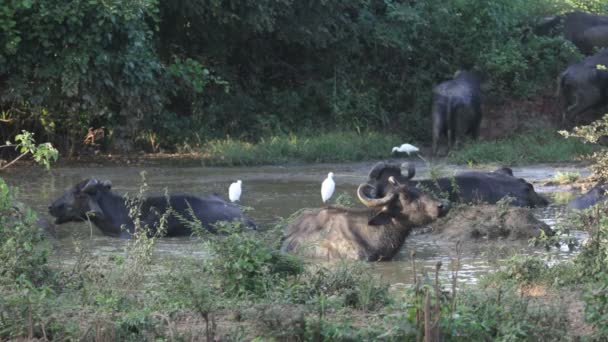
point(23, 256)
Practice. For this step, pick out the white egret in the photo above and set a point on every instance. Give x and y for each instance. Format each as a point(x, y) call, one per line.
point(328, 187)
point(234, 191)
point(408, 148)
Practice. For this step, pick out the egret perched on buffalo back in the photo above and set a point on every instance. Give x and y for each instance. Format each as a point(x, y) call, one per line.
point(408, 148)
point(328, 187)
point(234, 191)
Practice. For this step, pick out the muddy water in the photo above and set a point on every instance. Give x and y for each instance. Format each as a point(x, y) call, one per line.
point(274, 191)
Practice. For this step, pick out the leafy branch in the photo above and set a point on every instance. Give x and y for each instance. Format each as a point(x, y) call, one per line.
point(24, 143)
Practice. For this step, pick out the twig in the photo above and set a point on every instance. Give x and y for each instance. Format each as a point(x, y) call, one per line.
point(14, 160)
point(427, 317)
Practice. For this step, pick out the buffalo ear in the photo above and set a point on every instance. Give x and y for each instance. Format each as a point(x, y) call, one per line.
point(107, 184)
point(380, 219)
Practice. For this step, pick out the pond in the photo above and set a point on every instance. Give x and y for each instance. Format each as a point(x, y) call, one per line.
point(275, 191)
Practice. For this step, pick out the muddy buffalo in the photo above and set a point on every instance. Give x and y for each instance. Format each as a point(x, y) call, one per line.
point(596, 194)
point(456, 109)
point(584, 86)
point(465, 187)
point(93, 200)
point(372, 234)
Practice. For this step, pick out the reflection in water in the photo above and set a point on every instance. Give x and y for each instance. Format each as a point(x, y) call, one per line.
point(273, 192)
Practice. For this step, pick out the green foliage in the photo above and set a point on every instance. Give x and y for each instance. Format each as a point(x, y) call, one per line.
point(244, 264)
point(169, 74)
point(330, 147)
point(524, 148)
point(596, 307)
point(22, 257)
point(591, 134)
point(501, 314)
point(43, 153)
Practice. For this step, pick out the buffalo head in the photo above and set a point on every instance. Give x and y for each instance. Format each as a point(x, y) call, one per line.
point(402, 204)
point(80, 202)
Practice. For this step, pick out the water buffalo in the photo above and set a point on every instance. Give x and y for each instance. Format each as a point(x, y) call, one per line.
point(596, 194)
point(583, 86)
point(465, 187)
point(93, 199)
point(456, 109)
point(585, 30)
point(372, 234)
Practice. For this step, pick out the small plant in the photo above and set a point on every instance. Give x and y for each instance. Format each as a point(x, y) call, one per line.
point(566, 177)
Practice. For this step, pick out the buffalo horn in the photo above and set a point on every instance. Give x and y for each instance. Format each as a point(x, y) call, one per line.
point(90, 185)
point(411, 169)
point(373, 202)
point(107, 184)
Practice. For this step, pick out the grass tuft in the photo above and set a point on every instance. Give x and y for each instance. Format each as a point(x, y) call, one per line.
point(525, 148)
point(328, 147)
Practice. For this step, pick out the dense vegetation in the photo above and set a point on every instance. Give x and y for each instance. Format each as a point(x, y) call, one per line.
point(165, 74)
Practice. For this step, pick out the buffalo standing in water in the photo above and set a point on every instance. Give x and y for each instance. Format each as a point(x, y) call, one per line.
point(94, 200)
point(595, 195)
point(456, 109)
point(465, 187)
point(372, 234)
point(583, 86)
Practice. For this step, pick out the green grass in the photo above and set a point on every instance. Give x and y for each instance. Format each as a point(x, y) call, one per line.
point(524, 148)
point(327, 147)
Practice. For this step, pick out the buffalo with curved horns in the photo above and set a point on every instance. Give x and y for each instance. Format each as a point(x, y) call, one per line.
point(374, 234)
point(466, 187)
point(93, 199)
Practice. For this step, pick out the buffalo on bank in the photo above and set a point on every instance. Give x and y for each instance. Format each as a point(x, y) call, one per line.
point(584, 86)
point(456, 109)
point(94, 200)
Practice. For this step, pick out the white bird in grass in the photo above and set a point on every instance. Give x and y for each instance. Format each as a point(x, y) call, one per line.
point(234, 191)
point(328, 187)
point(408, 148)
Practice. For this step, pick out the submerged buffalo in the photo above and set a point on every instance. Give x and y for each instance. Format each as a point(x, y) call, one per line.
point(372, 234)
point(465, 187)
point(584, 86)
point(93, 200)
point(596, 194)
point(456, 109)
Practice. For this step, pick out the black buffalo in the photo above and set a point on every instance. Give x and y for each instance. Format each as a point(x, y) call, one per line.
point(596, 194)
point(456, 109)
point(465, 187)
point(584, 86)
point(585, 30)
point(93, 199)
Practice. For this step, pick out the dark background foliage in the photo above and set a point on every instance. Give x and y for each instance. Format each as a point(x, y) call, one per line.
point(166, 73)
